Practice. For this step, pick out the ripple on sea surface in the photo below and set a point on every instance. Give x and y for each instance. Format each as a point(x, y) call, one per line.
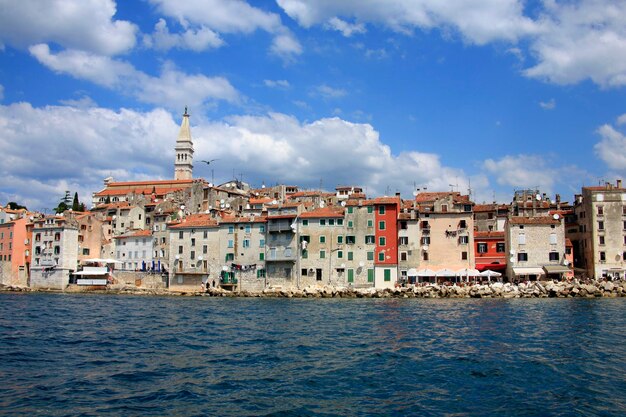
point(122, 355)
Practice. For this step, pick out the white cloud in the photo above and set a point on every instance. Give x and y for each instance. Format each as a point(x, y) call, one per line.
point(477, 22)
point(328, 92)
point(347, 29)
point(571, 41)
point(523, 171)
point(172, 88)
point(232, 16)
point(621, 119)
point(197, 40)
point(78, 147)
point(285, 46)
point(376, 53)
point(548, 105)
point(51, 149)
point(612, 147)
point(76, 24)
point(276, 83)
point(82, 102)
point(581, 40)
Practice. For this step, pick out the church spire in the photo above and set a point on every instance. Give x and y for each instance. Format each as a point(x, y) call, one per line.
point(183, 162)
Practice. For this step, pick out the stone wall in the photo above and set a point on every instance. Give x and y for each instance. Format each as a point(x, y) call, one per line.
point(139, 279)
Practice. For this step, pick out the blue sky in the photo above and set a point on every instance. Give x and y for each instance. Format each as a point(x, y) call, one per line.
point(494, 95)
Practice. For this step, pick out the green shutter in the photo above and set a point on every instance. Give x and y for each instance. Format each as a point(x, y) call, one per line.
point(381, 256)
point(370, 209)
point(370, 275)
point(387, 274)
point(261, 256)
point(370, 256)
point(350, 256)
point(305, 254)
point(350, 210)
point(350, 275)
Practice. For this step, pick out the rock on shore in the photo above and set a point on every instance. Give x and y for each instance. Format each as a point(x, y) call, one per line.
point(538, 289)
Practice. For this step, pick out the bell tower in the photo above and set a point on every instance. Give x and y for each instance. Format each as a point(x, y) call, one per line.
point(183, 160)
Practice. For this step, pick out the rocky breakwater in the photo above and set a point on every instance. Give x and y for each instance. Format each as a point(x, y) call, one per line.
point(538, 289)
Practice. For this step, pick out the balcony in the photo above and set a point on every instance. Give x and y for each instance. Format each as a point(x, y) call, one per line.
point(281, 255)
point(278, 227)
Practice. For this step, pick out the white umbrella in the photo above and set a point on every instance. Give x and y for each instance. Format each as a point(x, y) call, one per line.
point(489, 273)
point(425, 272)
point(467, 272)
point(445, 272)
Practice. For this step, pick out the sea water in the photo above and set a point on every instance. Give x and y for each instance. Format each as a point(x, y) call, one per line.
point(92, 355)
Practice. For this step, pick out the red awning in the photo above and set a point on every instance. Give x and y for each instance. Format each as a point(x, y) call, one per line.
point(493, 267)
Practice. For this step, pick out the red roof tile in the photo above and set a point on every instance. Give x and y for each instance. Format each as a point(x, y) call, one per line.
point(323, 212)
point(195, 220)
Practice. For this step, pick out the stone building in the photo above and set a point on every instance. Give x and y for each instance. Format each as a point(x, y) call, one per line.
point(194, 248)
point(91, 236)
point(281, 244)
point(409, 237)
point(536, 248)
point(447, 231)
point(323, 250)
point(135, 250)
point(600, 243)
point(490, 217)
point(242, 250)
point(54, 252)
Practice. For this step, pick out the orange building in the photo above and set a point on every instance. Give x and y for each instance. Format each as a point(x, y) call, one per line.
point(14, 252)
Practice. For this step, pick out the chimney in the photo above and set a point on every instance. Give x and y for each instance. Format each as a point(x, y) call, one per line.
point(619, 183)
point(398, 195)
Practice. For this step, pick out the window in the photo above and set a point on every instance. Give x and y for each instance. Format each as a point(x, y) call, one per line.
point(600, 210)
point(521, 226)
point(482, 248)
point(521, 239)
point(205, 234)
point(246, 243)
point(305, 222)
point(462, 224)
point(350, 256)
point(204, 249)
point(370, 256)
point(403, 256)
point(305, 254)
point(404, 240)
point(230, 257)
point(180, 249)
point(350, 224)
point(425, 240)
point(322, 254)
point(350, 275)
point(260, 273)
point(370, 239)
point(85, 251)
point(381, 256)
point(601, 239)
point(322, 239)
point(403, 225)
point(464, 256)
point(387, 274)
point(522, 257)
point(463, 240)
point(339, 239)
point(350, 210)
point(444, 208)
point(231, 243)
point(370, 275)
point(192, 254)
point(553, 256)
point(339, 222)
point(180, 234)
point(382, 241)
point(602, 256)
point(193, 241)
point(231, 230)
point(339, 254)
point(381, 209)
point(553, 238)
point(370, 209)
point(425, 224)
point(600, 225)
point(370, 223)
point(248, 229)
point(624, 225)
point(261, 256)
point(261, 243)
point(322, 222)
point(381, 225)
point(262, 230)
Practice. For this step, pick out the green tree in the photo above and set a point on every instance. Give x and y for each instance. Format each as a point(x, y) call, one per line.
point(76, 203)
point(14, 206)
